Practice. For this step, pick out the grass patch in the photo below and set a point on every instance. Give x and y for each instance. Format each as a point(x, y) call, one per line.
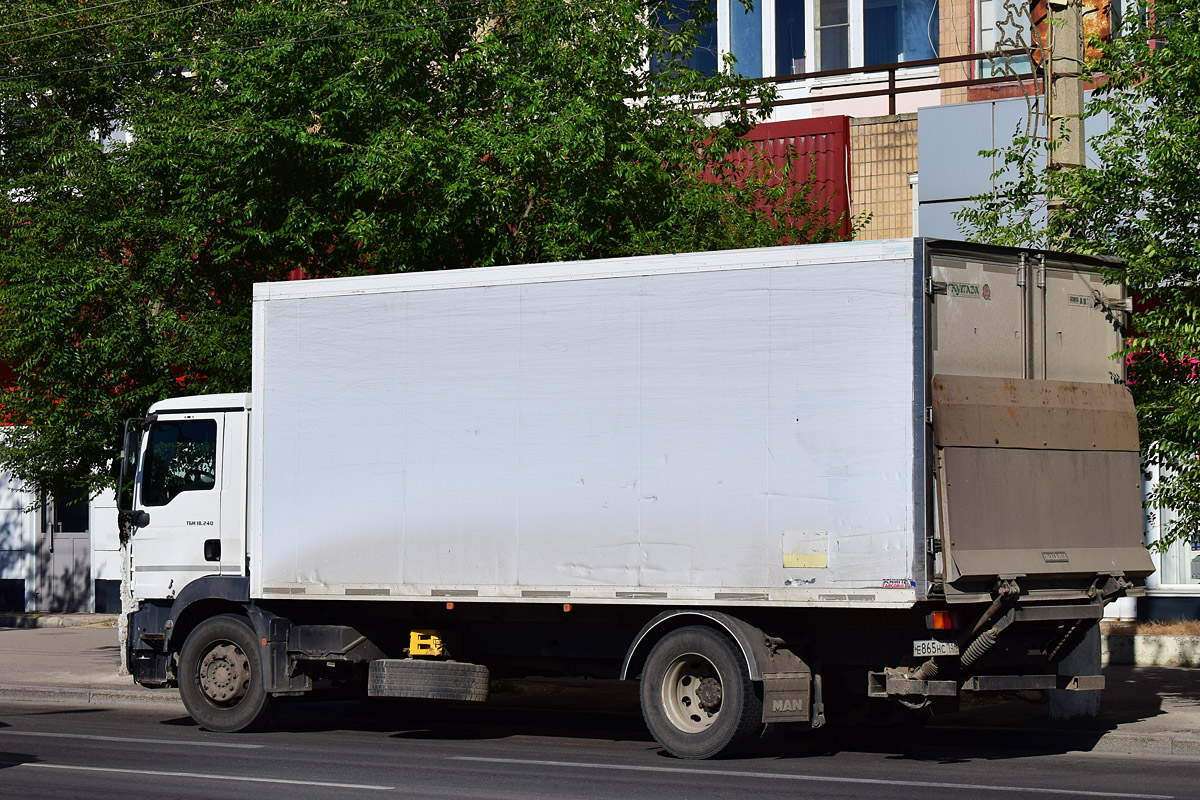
point(1157, 627)
point(1170, 627)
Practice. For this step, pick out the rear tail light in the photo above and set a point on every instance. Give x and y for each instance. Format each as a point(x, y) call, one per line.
point(941, 621)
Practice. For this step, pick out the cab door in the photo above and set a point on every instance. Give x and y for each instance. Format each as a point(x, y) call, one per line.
point(178, 538)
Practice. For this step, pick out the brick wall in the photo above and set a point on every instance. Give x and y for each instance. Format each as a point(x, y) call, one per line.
point(883, 152)
point(956, 29)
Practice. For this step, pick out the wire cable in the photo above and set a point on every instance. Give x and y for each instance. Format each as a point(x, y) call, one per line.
point(249, 48)
point(253, 32)
point(63, 14)
point(160, 12)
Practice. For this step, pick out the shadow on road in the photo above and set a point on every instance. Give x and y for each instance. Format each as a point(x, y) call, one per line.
point(989, 730)
point(16, 759)
point(65, 711)
point(411, 720)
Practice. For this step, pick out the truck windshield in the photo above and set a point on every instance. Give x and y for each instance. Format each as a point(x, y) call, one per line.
point(181, 457)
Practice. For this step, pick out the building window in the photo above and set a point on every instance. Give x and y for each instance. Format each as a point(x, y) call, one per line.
point(881, 32)
point(899, 30)
point(71, 511)
point(841, 35)
point(745, 38)
point(789, 37)
point(704, 57)
point(1003, 27)
point(1180, 564)
point(833, 34)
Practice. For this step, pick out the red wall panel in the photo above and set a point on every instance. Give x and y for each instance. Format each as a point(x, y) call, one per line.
point(823, 143)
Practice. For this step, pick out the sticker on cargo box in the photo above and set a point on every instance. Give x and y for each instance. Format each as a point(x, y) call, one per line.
point(1080, 300)
point(968, 290)
point(803, 549)
point(896, 583)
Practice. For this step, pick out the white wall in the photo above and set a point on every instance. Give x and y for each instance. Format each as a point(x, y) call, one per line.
point(18, 536)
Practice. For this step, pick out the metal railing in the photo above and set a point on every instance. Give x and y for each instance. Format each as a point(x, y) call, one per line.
point(893, 88)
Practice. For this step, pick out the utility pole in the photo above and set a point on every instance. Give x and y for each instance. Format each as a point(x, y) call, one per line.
point(1064, 92)
point(1064, 87)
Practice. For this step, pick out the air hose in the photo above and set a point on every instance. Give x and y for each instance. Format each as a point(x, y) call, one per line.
point(926, 672)
point(978, 647)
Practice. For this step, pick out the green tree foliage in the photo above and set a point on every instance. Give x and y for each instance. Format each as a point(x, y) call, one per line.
point(328, 137)
point(1138, 199)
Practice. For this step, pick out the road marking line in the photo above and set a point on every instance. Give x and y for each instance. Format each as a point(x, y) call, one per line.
point(201, 775)
point(11, 732)
point(812, 778)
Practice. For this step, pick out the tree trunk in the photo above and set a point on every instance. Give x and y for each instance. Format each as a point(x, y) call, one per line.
point(127, 605)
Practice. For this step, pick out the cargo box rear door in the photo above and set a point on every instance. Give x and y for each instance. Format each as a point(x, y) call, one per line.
point(1040, 479)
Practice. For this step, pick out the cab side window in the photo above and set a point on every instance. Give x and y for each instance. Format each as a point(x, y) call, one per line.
point(181, 457)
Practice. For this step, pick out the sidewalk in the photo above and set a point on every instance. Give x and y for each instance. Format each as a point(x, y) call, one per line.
point(50, 620)
point(69, 658)
point(1144, 710)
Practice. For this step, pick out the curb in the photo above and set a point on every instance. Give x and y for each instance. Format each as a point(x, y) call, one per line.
point(86, 696)
point(1147, 744)
point(1150, 650)
point(1112, 742)
point(58, 620)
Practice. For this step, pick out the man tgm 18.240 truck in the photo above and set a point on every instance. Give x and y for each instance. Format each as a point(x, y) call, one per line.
point(762, 482)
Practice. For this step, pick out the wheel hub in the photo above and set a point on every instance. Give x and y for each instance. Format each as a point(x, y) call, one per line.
point(709, 694)
point(691, 693)
point(225, 673)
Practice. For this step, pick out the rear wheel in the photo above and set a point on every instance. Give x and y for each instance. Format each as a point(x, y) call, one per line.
point(220, 675)
point(697, 697)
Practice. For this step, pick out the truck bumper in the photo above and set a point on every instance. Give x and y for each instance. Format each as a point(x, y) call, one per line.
point(148, 659)
point(887, 684)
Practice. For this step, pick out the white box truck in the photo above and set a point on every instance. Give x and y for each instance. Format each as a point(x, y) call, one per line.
point(762, 482)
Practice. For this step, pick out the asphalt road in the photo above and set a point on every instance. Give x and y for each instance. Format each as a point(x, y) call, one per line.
point(340, 750)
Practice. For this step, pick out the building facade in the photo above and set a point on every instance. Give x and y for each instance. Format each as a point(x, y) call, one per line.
point(872, 93)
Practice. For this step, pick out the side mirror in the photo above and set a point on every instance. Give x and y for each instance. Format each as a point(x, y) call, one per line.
point(136, 519)
point(130, 443)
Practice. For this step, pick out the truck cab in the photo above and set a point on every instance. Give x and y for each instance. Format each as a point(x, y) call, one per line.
point(189, 497)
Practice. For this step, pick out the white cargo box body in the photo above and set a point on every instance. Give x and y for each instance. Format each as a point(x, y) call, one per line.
point(738, 427)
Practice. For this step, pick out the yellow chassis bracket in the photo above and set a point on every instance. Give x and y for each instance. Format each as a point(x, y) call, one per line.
point(425, 643)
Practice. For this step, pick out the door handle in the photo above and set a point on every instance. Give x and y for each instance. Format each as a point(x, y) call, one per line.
point(212, 549)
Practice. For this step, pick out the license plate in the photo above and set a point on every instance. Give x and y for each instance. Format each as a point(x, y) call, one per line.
point(932, 647)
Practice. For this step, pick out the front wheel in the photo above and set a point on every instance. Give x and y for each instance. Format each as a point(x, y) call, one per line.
point(697, 697)
point(220, 675)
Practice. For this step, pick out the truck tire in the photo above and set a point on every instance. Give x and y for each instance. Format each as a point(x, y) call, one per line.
point(428, 680)
point(220, 675)
point(697, 697)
